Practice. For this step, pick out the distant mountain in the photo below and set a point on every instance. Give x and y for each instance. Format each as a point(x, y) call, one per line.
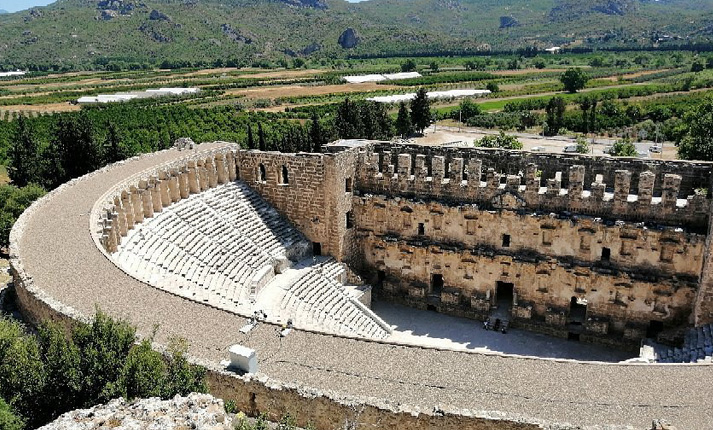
point(2, 11)
point(72, 33)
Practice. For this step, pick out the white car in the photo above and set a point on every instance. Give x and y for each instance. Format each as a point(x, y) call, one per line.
point(655, 148)
point(537, 148)
point(570, 149)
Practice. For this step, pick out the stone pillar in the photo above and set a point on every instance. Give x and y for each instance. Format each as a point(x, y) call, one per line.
point(622, 184)
point(669, 195)
point(598, 188)
point(456, 171)
point(404, 166)
point(164, 188)
point(385, 162)
point(137, 204)
point(532, 185)
point(183, 187)
point(193, 185)
point(646, 188)
point(220, 169)
point(438, 163)
point(155, 188)
point(121, 216)
point(212, 174)
point(372, 164)
point(492, 180)
point(475, 168)
point(703, 307)
point(202, 175)
point(173, 190)
point(420, 170)
point(146, 202)
point(576, 185)
point(231, 161)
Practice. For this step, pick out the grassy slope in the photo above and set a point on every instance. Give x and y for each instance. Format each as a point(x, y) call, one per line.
point(69, 31)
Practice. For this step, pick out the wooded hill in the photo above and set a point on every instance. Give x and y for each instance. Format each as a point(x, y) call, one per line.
point(72, 34)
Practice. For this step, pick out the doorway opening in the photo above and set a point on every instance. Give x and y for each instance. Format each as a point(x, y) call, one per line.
point(436, 284)
point(655, 327)
point(316, 248)
point(577, 311)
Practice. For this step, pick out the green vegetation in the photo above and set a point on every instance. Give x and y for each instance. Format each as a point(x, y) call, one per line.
point(421, 111)
point(502, 141)
point(75, 34)
point(574, 79)
point(14, 201)
point(582, 145)
point(54, 372)
point(697, 140)
point(623, 148)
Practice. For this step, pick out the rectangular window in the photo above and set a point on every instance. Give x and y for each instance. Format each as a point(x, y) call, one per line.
point(350, 219)
point(506, 240)
point(348, 185)
point(606, 254)
point(421, 229)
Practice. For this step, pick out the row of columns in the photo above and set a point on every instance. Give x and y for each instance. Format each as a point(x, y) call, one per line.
point(167, 186)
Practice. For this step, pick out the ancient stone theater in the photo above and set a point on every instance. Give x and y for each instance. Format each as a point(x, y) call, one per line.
point(295, 256)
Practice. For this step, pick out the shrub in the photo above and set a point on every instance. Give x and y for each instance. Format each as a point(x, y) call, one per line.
point(503, 141)
point(574, 79)
point(8, 420)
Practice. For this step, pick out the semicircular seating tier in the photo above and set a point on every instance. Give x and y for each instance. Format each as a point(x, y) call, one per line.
point(228, 248)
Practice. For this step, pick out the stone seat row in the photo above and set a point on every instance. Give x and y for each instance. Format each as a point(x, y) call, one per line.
point(320, 302)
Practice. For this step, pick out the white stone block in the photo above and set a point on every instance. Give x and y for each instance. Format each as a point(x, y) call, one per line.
point(243, 358)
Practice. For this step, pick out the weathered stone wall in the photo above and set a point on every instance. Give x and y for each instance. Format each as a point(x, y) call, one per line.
point(660, 252)
point(619, 303)
point(635, 190)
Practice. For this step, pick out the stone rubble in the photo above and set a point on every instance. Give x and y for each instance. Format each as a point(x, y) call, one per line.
point(196, 411)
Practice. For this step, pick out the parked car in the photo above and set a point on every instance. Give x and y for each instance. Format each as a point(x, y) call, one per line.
point(570, 149)
point(537, 148)
point(654, 148)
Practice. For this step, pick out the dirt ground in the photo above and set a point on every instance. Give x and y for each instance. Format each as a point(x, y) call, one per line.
point(304, 90)
point(51, 107)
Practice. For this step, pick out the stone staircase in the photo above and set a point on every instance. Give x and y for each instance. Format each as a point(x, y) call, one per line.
point(229, 248)
point(697, 348)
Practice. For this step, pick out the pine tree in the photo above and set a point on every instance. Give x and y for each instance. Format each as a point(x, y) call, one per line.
point(251, 139)
point(23, 154)
point(261, 137)
point(421, 111)
point(113, 150)
point(316, 134)
point(403, 121)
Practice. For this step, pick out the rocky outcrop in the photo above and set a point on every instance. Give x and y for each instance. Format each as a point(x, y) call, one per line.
point(314, 4)
point(508, 22)
point(349, 38)
point(235, 35)
point(159, 16)
point(196, 411)
point(568, 10)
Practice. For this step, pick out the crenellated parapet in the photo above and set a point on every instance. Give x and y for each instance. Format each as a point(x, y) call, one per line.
point(634, 190)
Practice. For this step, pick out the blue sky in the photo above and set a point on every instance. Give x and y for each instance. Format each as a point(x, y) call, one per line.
point(15, 5)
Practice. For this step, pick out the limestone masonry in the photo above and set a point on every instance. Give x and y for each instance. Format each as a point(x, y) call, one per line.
point(222, 245)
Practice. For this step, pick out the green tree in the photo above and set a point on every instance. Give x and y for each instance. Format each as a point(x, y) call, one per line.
point(492, 87)
point(24, 153)
point(63, 378)
point(403, 121)
point(408, 66)
point(697, 66)
point(555, 115)
point(113, 148)
point(316, 134)
point(347, 121)
point(14, 201)
point(624, 148)
point(251, 138)
point(420, 111)
point(697, 140)
point(104, 345)
point(262, 145)
point(78, 150)
point(582, 145)
point(574, 79)
point(468, 110)
point(433, 66)
point(502, 141)
point(8, 420)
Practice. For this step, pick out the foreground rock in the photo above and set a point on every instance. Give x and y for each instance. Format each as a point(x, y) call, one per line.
point(196, 411)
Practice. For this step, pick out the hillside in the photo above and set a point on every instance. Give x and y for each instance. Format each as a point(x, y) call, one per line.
point(82, 33)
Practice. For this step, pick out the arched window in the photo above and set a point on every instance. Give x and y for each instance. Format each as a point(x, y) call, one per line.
point(285, 177)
